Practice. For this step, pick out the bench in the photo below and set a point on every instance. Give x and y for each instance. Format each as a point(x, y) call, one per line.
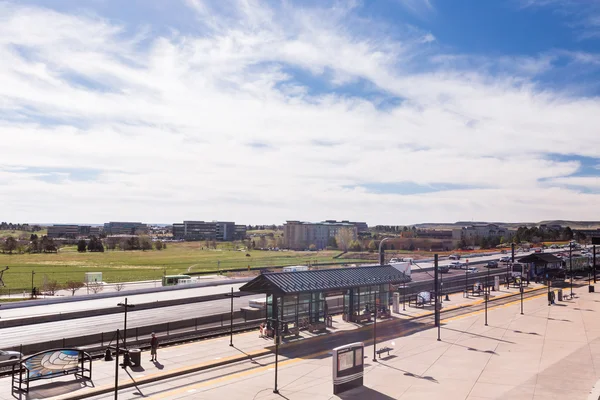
point(317, 327)
point(50, 364)
point(384, 350)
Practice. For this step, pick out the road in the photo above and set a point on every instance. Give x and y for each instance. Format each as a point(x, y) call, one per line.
point(94, 304)
point(109, 323)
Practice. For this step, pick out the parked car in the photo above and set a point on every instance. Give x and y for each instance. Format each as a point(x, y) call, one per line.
point(492, 264)
point(454, 257)
point(9, 355)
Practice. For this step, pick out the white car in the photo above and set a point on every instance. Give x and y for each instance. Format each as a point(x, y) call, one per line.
point(457, 265)
point(471, 270)
point(9, 355)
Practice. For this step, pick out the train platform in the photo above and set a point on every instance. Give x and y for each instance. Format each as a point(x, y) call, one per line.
point(213, 369)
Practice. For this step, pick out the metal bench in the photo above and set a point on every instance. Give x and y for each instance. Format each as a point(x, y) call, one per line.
point(384, 350)
point(50, 364)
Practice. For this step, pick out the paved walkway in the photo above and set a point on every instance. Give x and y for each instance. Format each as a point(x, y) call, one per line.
point(549, 351)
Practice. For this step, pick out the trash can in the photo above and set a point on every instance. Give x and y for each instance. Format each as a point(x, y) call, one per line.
point(591, 289)
point(560, 295)
point(135, 355)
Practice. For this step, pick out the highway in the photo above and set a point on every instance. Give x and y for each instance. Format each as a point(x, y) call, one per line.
point(83, 305)
point(110, 323)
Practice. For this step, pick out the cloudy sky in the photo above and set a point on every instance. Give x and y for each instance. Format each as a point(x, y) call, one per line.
point(387, 111)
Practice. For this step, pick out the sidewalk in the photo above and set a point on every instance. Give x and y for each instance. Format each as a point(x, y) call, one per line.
point(547, 353)
point(177, 361)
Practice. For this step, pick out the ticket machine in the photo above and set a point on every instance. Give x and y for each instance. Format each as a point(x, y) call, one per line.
point(348, 368)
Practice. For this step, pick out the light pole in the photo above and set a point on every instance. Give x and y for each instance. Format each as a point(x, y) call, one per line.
point(231, 316)
point(521, 288)
point(117, 368)
point(486, 294)
point(404, 292)
point(466, 282)
point(571, 265)
point(375, 333)
point(32, 275)
point(276, 322)
point(125, 306)
point(594, 261)
point(437, 299)
point(381, 255)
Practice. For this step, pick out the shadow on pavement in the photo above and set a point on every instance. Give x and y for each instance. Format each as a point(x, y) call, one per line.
point(158, 365)
point(364, 393)
point(53, 389)
point(407, 373)
point(482, 336)
point(252, 360)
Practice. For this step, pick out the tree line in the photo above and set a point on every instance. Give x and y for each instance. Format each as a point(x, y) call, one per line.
point(9, 226)
point(35, 244)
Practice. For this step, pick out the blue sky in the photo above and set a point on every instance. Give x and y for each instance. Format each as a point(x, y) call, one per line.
point(390, 111)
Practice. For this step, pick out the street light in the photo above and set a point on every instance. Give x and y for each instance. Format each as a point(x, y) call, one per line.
point(32, 288)
point(571, 265)
point(381, 255)
point(231, 316)
point(375, 333)
point(486, 294)
point(125, 306)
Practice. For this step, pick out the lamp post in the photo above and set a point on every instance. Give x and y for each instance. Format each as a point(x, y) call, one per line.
point(571, 265)
point(375, 332)
point(231, 316)
point(381, 255)
point(487, 295)
point(521, 289)
point(32, 275)
point(594, 261)
point(437, 299)
point(126, 306)
point(117, 367)
point(276, 322)
point(404, 292)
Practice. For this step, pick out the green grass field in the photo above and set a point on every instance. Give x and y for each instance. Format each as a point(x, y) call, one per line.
point(122, 266)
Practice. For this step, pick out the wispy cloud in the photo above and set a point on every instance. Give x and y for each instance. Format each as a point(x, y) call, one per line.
point(583, 16)
point(184, 121)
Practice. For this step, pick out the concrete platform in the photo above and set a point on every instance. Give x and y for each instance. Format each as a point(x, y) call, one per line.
point(550, 352)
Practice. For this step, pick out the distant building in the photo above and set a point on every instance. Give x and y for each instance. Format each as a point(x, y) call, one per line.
point(72, 231)
point(479, 231)
point(204, 230)
point(225, 231)
point(442, 234)
point(240, 232)
point(299, 235)
point(125, 228)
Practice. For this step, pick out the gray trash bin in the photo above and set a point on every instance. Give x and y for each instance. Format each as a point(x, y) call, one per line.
point(135, 355)
point(560, 295)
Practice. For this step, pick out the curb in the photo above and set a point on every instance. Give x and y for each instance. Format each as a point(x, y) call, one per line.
point(233, 359)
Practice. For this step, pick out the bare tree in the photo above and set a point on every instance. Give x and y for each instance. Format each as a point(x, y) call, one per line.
point(50, 287)
point(95, 287)
point(119, 286)
point(344, 238)
point(73, 286)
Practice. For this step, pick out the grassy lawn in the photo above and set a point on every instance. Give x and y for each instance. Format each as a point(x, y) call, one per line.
point(121, 266)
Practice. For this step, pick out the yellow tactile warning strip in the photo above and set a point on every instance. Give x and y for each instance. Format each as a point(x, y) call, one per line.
point(268, 350)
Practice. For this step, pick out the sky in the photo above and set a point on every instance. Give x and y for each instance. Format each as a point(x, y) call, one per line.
point(390, 111)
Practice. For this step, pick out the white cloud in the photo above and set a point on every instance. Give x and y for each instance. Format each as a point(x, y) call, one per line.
point(174, 124)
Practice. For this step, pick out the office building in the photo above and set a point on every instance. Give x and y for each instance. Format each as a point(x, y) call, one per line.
point(479, 231)
point(240, 232)
point(72, 231)
point(125, 228)
point(225, 231)
point(299, 235)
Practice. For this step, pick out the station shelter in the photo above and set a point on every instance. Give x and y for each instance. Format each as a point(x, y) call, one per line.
point(298, 299)
point(542, 264)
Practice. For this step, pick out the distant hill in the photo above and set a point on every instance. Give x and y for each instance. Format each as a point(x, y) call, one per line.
point(512, 225)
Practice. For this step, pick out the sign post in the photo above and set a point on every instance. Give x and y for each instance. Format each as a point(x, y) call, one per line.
point(348, 367)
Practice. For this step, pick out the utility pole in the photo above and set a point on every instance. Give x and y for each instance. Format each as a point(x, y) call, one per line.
point(231, 316)
point(375, 332)
point(117, 368)
point(594, 261)
point(437, 298)
point(126, 306)
point(571, 265)
point(32, 291)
